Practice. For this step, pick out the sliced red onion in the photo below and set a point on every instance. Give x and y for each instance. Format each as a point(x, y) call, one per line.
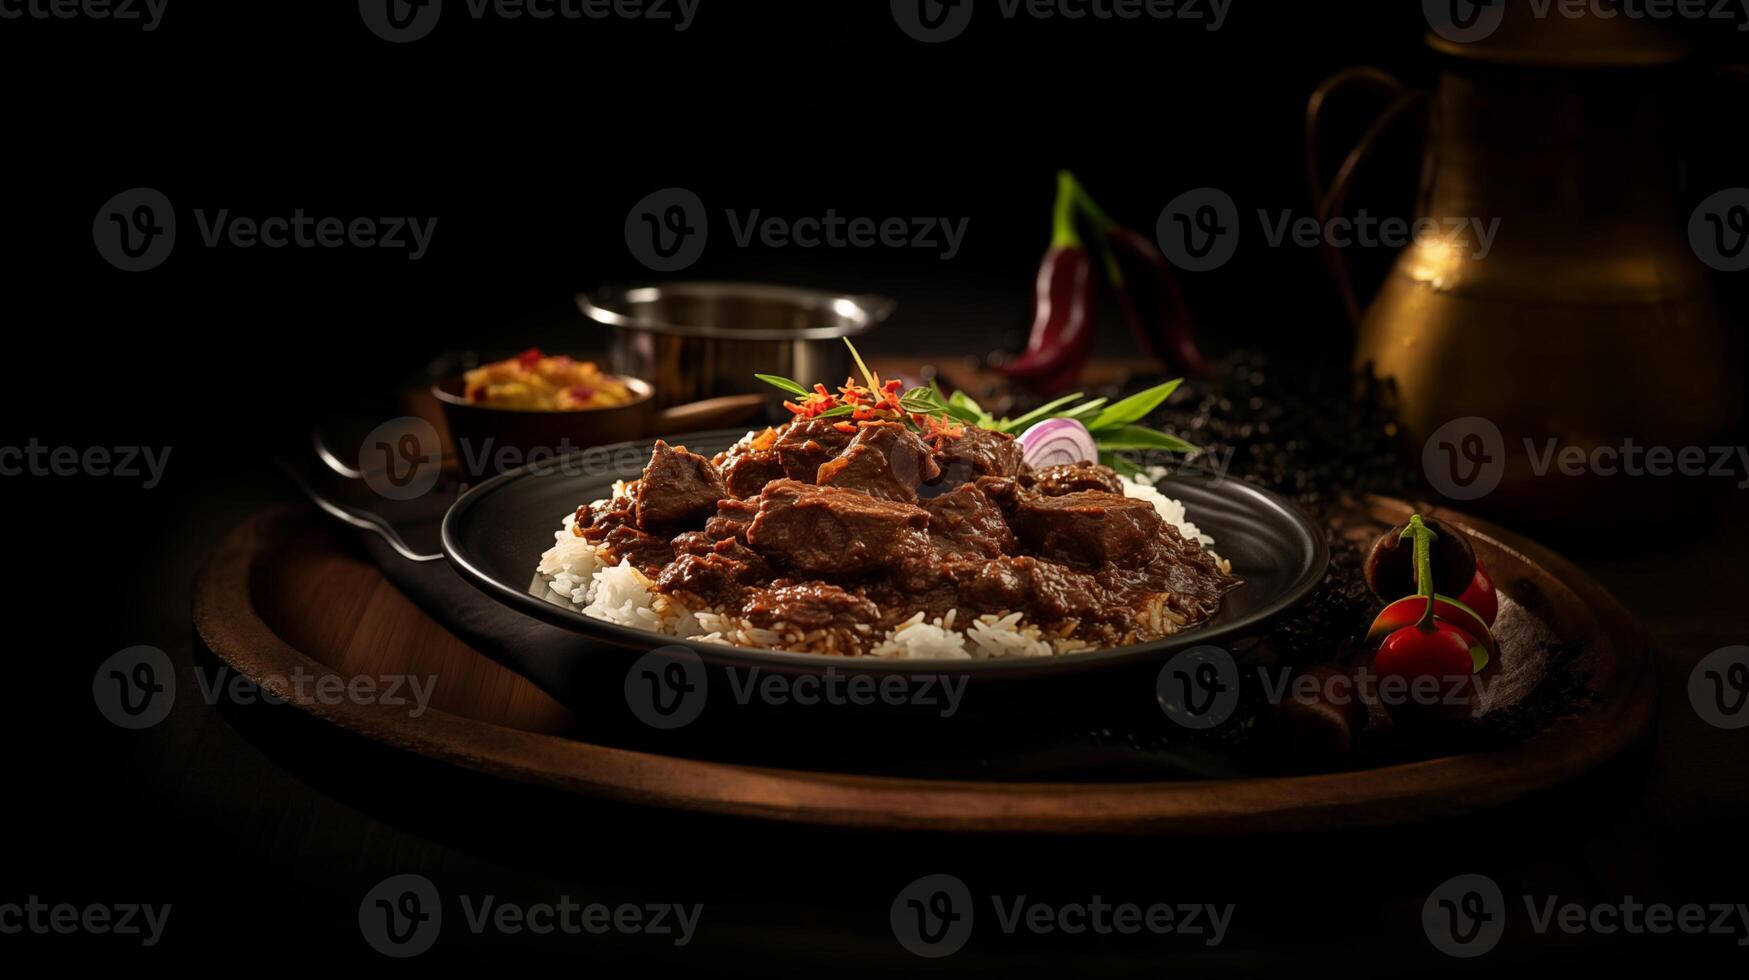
point(1057, 441)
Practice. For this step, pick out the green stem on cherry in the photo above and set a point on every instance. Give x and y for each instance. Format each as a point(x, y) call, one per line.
point(1424, 537)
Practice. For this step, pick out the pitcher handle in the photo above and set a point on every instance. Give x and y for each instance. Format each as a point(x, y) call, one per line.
point(1329, 200)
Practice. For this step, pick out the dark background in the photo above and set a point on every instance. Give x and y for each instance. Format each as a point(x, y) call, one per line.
point(529, 141)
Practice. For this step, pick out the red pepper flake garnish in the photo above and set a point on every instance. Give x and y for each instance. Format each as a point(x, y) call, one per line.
point(935, 431)
point(818, 401)
point(529, 358)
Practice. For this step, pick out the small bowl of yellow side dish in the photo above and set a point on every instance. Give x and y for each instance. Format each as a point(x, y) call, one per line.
point(536, 407)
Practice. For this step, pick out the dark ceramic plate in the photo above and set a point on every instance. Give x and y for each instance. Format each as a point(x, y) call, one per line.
point(495, 533)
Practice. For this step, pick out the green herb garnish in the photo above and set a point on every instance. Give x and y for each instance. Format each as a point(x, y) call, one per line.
point(1115, 425)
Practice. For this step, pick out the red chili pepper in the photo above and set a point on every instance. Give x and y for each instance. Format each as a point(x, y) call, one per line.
point(1147, 290)
point(1065, 305)
point(1151, 300)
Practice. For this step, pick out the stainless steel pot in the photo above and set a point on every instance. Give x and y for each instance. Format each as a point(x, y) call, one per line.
point(695, 340)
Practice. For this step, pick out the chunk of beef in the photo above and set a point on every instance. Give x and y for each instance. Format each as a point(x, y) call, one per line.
point(979, 452)
point(647, 552)
point(808, 605)
point(678, 488)
point(1176, 565)
point(965, 521)
point(830, 531)
point(693, 543)
point(1046, 592)
point(732, 519)
point(884, 460)
point(594, 521)
point(745, 474)
point(1055, 481)
point(1087, 528)
point(720, 578)
point(805, 445)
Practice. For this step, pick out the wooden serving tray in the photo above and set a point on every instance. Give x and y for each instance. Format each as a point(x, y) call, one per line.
point(286, 596)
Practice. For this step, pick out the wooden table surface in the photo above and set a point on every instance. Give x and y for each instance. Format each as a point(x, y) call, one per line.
point(266, 830)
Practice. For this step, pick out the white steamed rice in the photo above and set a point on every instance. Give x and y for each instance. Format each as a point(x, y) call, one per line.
point(576, 573)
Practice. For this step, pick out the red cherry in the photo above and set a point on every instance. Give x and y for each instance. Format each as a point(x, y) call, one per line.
point(1426, 675)
point(1481, 596)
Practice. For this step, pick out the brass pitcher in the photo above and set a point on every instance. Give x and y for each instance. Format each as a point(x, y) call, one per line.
point(1589, 321)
